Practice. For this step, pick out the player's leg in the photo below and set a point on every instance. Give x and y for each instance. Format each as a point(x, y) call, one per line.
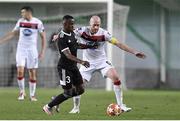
point(32, 65)
point(66, 79)
point(112, 74)
point(32, 84)
point(79, 86)
point(86, 74)
point(20, 80)
point(20, 63)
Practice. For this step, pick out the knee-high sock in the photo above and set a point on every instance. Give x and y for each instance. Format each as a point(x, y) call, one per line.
point(21, 85)
point(76, 100)
point(32, 87)
point(118, 92)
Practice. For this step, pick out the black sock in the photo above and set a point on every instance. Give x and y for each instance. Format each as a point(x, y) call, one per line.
point(57, 100)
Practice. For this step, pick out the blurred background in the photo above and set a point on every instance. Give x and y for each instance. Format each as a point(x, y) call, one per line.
point(151, 26)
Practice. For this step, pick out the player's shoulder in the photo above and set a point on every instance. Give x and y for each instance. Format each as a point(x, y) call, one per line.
point(36, 20)
point(104, 31)
point(63, 34)
point(20, 19)
point(83, 28)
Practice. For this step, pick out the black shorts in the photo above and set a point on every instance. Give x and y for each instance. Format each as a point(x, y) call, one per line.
point(69, 77)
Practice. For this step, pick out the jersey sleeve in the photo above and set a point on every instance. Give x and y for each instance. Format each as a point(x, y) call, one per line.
point(17, 26)
point(78, 32)
point(63, 44)
point(108, 36)
point(40, 27)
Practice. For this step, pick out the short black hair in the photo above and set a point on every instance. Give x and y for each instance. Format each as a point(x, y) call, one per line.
point(66, 17)
point(27, 8)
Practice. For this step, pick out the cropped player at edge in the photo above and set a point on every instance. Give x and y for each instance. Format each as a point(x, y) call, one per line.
point(27, 28)
point(98, 60)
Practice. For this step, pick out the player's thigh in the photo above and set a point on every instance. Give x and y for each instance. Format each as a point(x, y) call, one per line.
point(21, 56)
point(87, 72)
point(77, 79)
point(112, 74)
point(108, 70)
point(32, 59)
point(65, 78)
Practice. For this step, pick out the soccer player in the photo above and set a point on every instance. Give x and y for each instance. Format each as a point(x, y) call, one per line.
point(98, 60)
point(70, 77)
point(27, 28)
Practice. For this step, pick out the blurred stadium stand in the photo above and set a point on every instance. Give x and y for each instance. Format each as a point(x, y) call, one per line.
point(142, 33)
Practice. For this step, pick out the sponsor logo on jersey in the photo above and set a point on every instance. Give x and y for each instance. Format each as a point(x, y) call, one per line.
point(29, 25)
point(27, 32)
point(69, 41)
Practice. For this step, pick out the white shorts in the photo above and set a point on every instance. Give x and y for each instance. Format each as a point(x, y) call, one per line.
point(27, 58)
point(103, 66)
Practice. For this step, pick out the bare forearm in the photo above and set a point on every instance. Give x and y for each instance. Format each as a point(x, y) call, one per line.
point(43, 43)
point(68, 54)
point(73, 58)
point(7, 37)
point(126, 48)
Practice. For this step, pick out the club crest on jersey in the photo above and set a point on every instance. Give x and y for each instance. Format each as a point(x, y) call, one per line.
point(27, 32)
point(69, 41)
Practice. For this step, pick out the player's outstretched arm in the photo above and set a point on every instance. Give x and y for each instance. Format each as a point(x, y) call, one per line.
point(68, 54)
point(43, 45)
point(126, 48)
point(8, 36)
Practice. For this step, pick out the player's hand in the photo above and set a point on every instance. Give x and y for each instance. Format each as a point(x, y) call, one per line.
point(95, 46)
point(140, 55)
point(92, 45)
point(41, 56)
point(55, 37)
point(86, 64)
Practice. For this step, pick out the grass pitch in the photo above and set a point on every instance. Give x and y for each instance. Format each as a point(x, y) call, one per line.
point(146, 104)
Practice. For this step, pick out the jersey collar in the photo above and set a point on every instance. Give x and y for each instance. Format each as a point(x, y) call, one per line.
point(66, 33)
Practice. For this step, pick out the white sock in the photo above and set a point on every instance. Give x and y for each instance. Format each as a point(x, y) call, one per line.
point(118, 94)
point(76, 100)
point(32, 88)
point(21, 85)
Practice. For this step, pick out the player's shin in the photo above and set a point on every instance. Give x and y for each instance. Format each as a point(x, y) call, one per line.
point(58, 100)
point(76, 100)
point(32, 87)
point(21, 85)
point(118, 92)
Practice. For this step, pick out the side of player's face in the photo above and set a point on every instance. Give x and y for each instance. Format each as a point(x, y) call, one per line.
point(95, 25)
point(24, 13)
point(70, 25)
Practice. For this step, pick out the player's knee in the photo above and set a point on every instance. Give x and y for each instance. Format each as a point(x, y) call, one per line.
point(81, 91)
point(20, 78)
point(68, 93)
point(20, 74)
point(117, 82)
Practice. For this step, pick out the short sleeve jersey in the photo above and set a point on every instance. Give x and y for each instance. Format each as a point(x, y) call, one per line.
point(28, 32)
point(67, 41)
point(101, 37)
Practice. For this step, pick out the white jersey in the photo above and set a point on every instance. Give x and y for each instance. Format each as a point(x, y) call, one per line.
point(102, 36)
point(28, 32)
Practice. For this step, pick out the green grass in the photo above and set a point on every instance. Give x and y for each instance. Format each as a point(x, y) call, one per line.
point(146, 104)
